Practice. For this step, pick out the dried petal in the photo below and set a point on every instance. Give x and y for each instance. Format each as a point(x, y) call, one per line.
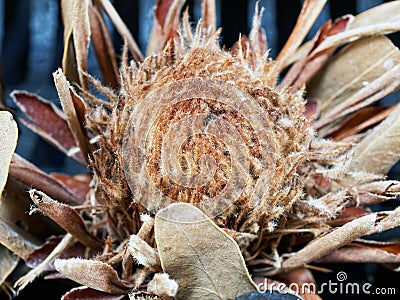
point(208, 11)
point(331, 241)
point(47, 121)
point(8, 262)
point(379, 150)
point(370, 74)
point(143, 253)
point(32, 176)
point(103, 47)
point(8, 142)
point(67, 103)
point(363, 251)
point(84, 293)
point(93, 274)
point(66, 217)
point(81, 38)
point(121, 28)
point(309, 13)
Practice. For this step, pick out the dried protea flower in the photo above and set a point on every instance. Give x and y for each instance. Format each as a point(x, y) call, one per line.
point(205, 159)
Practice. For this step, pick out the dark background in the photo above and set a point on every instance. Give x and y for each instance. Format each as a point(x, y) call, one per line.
point(31, 49)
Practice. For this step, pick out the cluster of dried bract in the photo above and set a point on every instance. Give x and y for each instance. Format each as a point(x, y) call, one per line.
point(207, 174)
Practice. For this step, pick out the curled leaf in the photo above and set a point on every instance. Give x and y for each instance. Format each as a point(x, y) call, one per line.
point(103, 47)
point(375, 192)
point(121, 28)
point(32, 176)
point(359, 122)
point(8, 262)
point(72, 116)
point(47, 120)
point(84, 293)
point(64, 244)
point(208, 11)
point(309, 13)
point(379, 150)
point(93, 274)
point(66, 217)
point(365, 251)
point(143, 253)
point(304, 69)
point(204, 261)
point(8, 142)
point(81, 38)
point(331, 241)
point(371, 66)
point(15, 239)
point(166, 22)
point(69, 58)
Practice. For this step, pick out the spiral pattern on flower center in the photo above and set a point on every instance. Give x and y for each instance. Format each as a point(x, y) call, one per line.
point(200, 141)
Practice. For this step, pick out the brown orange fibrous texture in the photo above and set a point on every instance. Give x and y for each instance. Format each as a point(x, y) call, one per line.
point(287, 141)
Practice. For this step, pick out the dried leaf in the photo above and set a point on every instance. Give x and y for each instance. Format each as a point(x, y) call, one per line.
point(121, 28)
point(8, 262)
point(208, 11)
point(346, 215)
point(204, 261)
point(162, 285)
point(355, 34)
point(65, 243)
point(157, 39)
point(359, 122)
point(370, 74)
point(31, 176)
point(382, 19)
point(8, 142)
point(257, 36)
point(66, 217)
point(84, 293)
point(365, 251)
point(331, 241)
point(143, 253)
point(78, 184)
point(50, 123)
point(67, 103)
point(379, 150)
point(69, 64)
point(304, 69)
point(166, 22)
point(376, 192)
point(312, 109)
point(390, 220)
point(40, 254)
point(309, 13)
point(81, 37)
point(80, 108)
point(93, 274)
point(385, 13)
point(15, 239)
point(103, 47)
